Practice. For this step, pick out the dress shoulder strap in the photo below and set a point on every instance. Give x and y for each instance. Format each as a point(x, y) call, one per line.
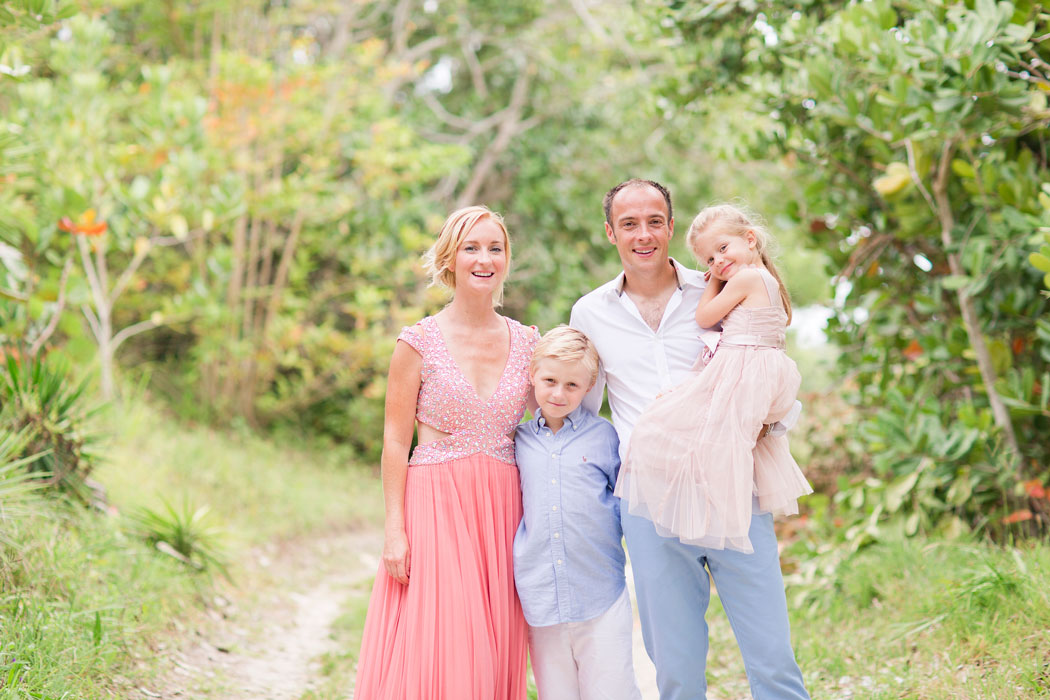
point(528, 334)
point(772, 287)
point(413, 335)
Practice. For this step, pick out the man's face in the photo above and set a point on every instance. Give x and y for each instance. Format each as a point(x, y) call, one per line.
point(641, 230)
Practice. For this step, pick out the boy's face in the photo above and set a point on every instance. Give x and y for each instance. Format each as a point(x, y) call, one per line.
point(560, 386)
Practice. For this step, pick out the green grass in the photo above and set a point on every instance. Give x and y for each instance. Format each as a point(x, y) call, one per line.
point(255, 489)
point(78, 598)
point(923, 621)
point(84, 602)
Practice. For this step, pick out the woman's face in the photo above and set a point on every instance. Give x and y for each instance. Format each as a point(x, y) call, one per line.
point(481, 259)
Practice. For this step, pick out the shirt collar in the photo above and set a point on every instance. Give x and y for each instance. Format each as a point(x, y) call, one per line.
point(574, 419)
point(684, 276)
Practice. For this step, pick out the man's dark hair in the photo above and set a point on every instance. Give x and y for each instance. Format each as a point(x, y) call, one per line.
point(611, 195)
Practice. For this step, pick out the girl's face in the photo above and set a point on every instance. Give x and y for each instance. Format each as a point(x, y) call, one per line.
point(481, 259)
point(725, 253)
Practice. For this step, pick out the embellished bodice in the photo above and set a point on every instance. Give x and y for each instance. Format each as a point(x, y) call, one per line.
point(763, 326)
point(447, 401)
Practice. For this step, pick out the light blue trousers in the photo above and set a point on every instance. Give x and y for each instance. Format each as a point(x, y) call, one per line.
point(674, 590)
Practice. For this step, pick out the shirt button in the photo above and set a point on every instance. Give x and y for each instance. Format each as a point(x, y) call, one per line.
point(557, 535)
point(554, 481)
point(554, 454)
point(559, 562)
point(549, 433)
point(554, 507)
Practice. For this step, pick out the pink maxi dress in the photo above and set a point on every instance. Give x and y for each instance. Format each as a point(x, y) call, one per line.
point(456, 630)
point(694, 462)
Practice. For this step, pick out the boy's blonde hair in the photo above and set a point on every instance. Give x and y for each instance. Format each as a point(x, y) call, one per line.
point(440, 261)
point(566, 345)
point(737, 221)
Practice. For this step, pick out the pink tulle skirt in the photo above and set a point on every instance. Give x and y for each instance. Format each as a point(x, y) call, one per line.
point(695, 463)
point(456, 631)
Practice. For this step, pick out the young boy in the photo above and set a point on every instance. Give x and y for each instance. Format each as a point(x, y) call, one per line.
point(568, 560)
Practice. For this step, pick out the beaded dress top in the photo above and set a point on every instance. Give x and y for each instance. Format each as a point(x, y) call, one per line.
point(447, 401)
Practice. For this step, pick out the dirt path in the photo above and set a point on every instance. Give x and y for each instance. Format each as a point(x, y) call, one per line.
point(264, 639)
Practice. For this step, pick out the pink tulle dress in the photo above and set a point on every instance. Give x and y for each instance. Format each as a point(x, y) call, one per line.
point(693, 465)
point(456, 630)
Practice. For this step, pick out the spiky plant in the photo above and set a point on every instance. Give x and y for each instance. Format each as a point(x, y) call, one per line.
point(43, 404)
point(17, 484)
point(185, 533)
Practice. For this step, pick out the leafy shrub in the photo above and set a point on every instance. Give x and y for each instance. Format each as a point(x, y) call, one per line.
point(40, 403)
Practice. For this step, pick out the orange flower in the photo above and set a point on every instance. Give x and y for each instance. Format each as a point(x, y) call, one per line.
point(85, 225)
point(1034, 488)
point(1018, 516)
point(913, 351)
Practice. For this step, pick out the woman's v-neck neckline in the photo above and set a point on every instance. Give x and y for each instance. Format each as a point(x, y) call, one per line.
point(459, 370)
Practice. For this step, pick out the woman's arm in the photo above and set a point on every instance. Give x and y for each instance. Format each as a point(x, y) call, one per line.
point(402, 391)
point(726, 296)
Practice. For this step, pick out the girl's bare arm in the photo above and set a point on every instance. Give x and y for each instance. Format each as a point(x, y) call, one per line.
point(713, 309)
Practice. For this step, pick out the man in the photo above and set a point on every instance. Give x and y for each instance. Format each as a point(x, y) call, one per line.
point(644, 327)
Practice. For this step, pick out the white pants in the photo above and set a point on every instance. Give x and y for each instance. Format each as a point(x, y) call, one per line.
point(588, 660)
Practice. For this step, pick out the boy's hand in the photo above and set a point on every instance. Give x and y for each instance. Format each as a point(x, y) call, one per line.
point(396, 558)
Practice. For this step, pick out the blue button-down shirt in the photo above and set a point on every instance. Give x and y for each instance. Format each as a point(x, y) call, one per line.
point(568, 560)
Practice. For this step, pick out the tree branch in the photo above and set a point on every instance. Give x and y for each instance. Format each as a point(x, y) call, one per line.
point(89, 270)
point(96, 329)
point(125, 277)
point(129, 331)
point(399, 30)
point(477, 73)
point(280, 277)
point(969, 311)
point(585, 15)
point(60, 303)
point(508, 128)
point(912, 169)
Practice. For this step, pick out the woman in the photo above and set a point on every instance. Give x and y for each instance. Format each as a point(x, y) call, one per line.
point(444, 621)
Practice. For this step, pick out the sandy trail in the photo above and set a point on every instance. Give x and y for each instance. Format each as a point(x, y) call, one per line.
point(263, 639)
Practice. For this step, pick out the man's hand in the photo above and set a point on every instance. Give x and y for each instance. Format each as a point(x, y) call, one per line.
point(785, 424)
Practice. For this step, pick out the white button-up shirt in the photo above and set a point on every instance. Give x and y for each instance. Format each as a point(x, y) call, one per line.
point(637, 363)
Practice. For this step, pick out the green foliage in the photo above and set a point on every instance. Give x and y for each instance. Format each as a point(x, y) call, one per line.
point(40, 404)
point(183, 532)
point(18, 486)
point(267, 186)
point(912, 132)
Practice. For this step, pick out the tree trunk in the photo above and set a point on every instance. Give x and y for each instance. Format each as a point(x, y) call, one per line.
point(969, 312)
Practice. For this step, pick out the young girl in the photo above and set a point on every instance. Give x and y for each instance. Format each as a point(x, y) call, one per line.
point(695, 459)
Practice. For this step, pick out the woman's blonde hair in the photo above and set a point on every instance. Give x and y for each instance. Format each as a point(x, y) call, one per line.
point(440, 261)
point(737, 221)
point(566, 345)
